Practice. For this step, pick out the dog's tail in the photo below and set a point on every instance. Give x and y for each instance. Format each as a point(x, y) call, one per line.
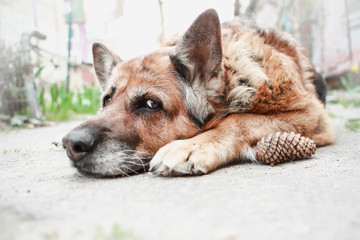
point(321, 88)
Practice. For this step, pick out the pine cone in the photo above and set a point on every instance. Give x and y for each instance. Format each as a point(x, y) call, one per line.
point(284, 147)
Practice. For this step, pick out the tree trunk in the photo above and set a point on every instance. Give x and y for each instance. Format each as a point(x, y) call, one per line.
point(237, 7)
point(251, 8)
point(162, 34)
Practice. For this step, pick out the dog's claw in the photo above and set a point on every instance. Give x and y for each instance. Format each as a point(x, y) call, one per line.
point(154, 167)
point(189, 166)
point(161, 170)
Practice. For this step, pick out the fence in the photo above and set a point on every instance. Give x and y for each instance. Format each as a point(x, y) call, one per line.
point(18, 92)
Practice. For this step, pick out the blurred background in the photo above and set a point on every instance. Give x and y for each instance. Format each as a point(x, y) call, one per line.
point(45, 45)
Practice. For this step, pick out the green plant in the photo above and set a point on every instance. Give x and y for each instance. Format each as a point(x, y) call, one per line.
point(353, 124)
point(38, 72)
point(6, 151)
point(51, 236)
point(116, 233)
point(63, 105)
point(348, 102)
point(349, 83)
point(332, 115)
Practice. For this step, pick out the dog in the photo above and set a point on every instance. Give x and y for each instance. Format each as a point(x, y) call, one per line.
point(200, 102)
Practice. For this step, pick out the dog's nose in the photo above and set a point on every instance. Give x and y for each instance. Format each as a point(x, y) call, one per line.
point(78, 143)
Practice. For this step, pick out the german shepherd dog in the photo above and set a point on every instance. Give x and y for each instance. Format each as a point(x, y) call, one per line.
point(200, 102)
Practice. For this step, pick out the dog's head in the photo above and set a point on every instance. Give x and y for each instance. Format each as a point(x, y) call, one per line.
point(150, 101)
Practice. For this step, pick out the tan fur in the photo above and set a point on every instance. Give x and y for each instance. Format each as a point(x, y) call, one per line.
point(277, 81)
point(155, 82)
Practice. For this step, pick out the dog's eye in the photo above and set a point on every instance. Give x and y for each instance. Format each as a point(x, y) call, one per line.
point(143, 105)
point(107, 100)
point(153, 104)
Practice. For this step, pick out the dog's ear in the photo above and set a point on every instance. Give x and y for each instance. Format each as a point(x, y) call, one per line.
point(199, 52)
point(104, 61)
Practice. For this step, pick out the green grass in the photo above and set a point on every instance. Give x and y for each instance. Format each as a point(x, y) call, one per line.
point(349, 83)
point(332, 115)
point(348, 102)
point(64, 105)
point(51, 236)
point(116, 233)
point(8, 151)
point(353, 124)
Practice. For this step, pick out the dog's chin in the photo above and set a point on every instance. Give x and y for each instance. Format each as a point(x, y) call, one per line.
point(107, 167)
point(90, 174)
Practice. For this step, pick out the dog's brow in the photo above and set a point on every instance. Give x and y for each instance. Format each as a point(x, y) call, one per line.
point(140, 93)
point(153, 91)
point(113, 88)
point(111, 91)
point(144, 92)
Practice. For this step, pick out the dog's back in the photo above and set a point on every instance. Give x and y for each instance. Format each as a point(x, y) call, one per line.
point(261, 64)
point(268, 71)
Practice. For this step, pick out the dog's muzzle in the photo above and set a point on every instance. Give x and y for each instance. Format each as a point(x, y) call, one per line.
point(96, 151)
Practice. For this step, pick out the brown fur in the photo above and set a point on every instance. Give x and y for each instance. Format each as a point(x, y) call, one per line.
point(213, 93)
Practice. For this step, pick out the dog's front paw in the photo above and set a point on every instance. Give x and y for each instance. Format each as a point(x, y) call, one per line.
point(183, 157)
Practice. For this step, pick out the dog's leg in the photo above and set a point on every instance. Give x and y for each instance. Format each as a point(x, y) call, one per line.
point(234, 138)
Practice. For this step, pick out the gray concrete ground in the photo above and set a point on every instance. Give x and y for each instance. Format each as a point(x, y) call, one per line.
point(42, 197)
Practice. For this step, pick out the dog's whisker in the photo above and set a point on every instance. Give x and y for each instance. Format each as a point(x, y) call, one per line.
point(132, 156)
point(134, 152)
point(130, 169)
point(128, 150)
point(136, 163)
point(121, 154)
point(140, 161)
point(118, 169)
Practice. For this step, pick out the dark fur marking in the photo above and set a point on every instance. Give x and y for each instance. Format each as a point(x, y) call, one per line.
point(195, 119)
point(144, 69)
point(281, 91)
point(243, 82)
point(180, 68)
